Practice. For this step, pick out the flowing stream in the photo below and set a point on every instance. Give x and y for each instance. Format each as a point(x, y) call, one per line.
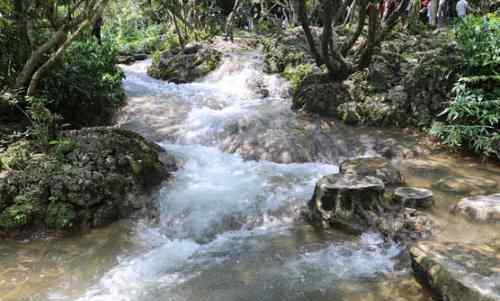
point(229, 225)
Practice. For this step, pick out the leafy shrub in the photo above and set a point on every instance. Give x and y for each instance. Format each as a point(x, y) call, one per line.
point(86, 88)
point(478, 39)
point(473, 120)
point(473, 116)
point(295, 74)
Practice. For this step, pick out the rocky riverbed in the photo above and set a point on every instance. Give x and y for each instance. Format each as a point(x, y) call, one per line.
point(230, 226)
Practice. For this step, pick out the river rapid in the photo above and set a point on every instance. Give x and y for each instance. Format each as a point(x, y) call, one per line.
point(229, 225)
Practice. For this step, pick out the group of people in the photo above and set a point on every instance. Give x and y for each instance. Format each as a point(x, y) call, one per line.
point(444, 9)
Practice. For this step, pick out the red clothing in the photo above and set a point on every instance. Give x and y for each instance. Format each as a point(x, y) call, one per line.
point(424, 3)
point(381, 7)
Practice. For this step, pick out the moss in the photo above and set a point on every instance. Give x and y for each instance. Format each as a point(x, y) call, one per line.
point(60, 215)
point(17, 156)
point(296, 74)
point(18, 215)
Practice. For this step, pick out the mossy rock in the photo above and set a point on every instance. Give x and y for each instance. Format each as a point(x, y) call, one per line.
point(90, 178)
point(317, 93)
point(185, 65)
point(60, 215)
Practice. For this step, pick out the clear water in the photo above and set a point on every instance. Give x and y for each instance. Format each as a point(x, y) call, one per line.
point(229, 226)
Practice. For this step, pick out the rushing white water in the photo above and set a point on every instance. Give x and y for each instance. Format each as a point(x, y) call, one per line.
point(229, 228)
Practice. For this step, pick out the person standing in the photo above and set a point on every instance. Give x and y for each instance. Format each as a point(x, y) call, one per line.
point(462, 8)
point(441, 12)
point(96, 30)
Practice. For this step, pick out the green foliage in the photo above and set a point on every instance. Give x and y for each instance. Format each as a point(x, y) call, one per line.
point(479, 41)
point(43, 122)
point(17, 156)
point(20, 213)
point(59, 215)
point(473, 120)
point(295, 74)
point(473, 116)
point(132, 32)
point(86, 88)
point(62, 147)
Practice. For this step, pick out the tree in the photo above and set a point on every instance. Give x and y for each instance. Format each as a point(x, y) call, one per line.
point(61, 22)
point(343, 59)
point(228, 28)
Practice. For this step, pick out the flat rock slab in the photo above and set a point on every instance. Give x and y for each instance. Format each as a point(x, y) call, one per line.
point(427, 168)
point(374, 167)
point(466, 185)
point(482, 208)
point(458, 272)
point(412, 197)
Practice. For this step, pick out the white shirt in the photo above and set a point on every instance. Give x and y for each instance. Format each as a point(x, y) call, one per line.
point(462, 7)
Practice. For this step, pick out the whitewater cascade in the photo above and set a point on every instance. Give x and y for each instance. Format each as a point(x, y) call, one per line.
point(229, 225)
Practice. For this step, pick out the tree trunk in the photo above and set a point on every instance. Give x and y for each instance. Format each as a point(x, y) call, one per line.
point(359, 27)
point(228, 28)
point(35, 79)
point(304, 20)
point(371, 41)
point(37, 57)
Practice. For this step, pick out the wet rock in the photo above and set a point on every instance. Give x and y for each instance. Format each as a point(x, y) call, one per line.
point(457, 271)
point(258, 86)
point(90, 179)
point(140, 56)
point(355, 204)
point(344, 201)
point(125, 60)
point(375, 167)
point(426, 168)
point(391, 148)
point(318, 94)
point(412, 197)
point(466, 185)
point(185, 65)
point(483, 208)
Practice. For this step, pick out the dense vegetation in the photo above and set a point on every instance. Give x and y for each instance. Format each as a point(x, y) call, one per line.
point(53, 65)
point(473, 116)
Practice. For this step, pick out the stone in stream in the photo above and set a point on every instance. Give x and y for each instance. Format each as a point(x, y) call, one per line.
point(375, 167)
point(412, 197)
point(345, 201)
point(427, 168)
point(185, 65)
point(356, 204)
point(458, 271)
point(482, 208)
point(466, 185)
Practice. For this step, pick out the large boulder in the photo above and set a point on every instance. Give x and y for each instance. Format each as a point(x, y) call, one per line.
point(317, 93)
point(185, 65)
point(458, 271)
point(375, 167)
point(355, 204)
point(88, 178)
point(482, 208)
